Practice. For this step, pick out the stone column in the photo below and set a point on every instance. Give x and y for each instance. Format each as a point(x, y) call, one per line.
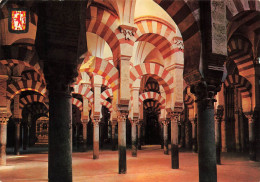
point(194, 135)
point(60, 130)
point(75, 135)
point(139, 126)
point(251, 128)
point(187, 135)
point(206, 131)
point(114, 140)
point(17, 137)
point(242, 132)
point(182, 134)
point(237, 123)
point(26, 136)
point(133, 133)
point(165, 136)
point(161, 131)
point(17, 122)
point(218, 119)
point(84, 132)
point(174, 141)
point(3, 131)
point(96, 122)
point(122, 141)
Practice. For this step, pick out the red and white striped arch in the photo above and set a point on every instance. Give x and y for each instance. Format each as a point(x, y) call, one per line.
point(241, 83)
point(12, 62)
point(106, 70)
point(105, 25)
point(240, 50)
point(154, 96)
point(24, 85)
point(106, 94)
point(33, 76)
point(77, 103)
point(85, 91)
point(30, 99)
point(234, 7)
point(244, 86)
point(162, 36)
point(107, 104)
point(159, 73)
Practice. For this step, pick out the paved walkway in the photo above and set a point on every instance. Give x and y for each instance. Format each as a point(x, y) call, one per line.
point(150, 165)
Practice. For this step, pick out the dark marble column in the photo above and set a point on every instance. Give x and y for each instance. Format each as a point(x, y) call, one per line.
point(174, 141)
point(182, 142)
point(114, 140)
point(139, 127)
point(3, 128)
point(122, 141)
point(17, 136)
point(161, 134)
point(242, 131)
point(251, 128)
point(218, 119)
point(187, 135)
point(194, 135)
point(133, 136)
point(96, 122)
point(25, 136)
point(60, 132)
point(165, 136)
point(206, 131)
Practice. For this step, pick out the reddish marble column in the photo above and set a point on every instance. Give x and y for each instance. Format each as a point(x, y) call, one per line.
point(84, 132)
point(96, 122)
point(165, 136)
point(3, 128)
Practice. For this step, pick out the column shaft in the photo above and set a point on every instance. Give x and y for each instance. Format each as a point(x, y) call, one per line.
point(3, 128)
point(174, 142)
point(134, 141)
point(84, 132)
point(122, 143)
point(25, 137)
point(194, 136)
point(114, 141)
point(162, 137)
point(139, 136)
point(252, 147)
point(206, 141)
point(96, 139)
point(165, 137)
point(60, 137)
point(218, 140)
point(17, 137)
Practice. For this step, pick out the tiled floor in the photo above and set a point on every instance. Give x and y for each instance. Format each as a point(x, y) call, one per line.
point(150, 165)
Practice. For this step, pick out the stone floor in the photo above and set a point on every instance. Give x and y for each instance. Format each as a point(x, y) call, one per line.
point(150, 165)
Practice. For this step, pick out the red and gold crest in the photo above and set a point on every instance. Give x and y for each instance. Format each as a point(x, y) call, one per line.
point(18, 20)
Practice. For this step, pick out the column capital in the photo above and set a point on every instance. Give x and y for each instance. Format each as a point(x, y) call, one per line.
point(59, 77)
point(205, 93)
point(165, 122)
point(134, 121)
point(3, 120)
point(250, 118)
point(127, 31)
point(84, 121)
point(114, 122)
point(193, 120)
point(96, 121)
